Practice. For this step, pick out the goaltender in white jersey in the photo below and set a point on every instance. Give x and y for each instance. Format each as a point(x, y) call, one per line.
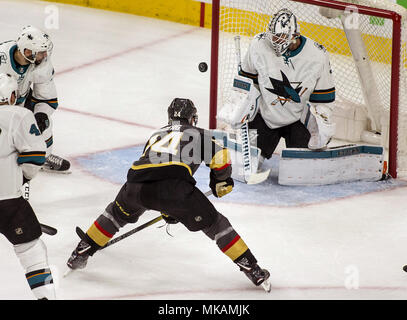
point(290, 82)
point(28, 59)
point(285, 89)
point(291, 91)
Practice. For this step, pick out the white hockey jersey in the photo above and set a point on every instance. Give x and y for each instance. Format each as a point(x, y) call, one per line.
point(44, 96)
point(22, 149)
point(287, 83)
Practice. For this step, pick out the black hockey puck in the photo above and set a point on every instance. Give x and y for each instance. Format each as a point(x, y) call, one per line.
point(405, 268)
point(203, 67)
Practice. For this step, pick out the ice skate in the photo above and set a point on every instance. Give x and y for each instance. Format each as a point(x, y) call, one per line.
point(79, 257)
point(56, 164)
point(256, 275)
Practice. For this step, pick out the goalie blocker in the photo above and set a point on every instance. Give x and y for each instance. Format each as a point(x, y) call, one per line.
point(335, 165)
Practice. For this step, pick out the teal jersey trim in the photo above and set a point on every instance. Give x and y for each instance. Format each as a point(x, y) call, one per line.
point(20, 100)
point(254, 77)
point(35, 157)
point(49, 142)
point(323, 96)
point(289, 54)
point(21, 69)
point(328, 154)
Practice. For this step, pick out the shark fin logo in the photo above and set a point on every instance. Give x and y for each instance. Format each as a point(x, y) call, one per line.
point(285, 91)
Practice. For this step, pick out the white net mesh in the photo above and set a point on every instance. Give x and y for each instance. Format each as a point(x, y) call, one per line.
point(249, 17)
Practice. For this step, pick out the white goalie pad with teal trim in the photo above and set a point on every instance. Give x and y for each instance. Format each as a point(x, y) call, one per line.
point(236, 149)
point(335, 165)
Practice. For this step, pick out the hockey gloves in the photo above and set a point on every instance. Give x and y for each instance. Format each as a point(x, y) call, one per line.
point(42, 121)
point(168, 219)
point(220, 187)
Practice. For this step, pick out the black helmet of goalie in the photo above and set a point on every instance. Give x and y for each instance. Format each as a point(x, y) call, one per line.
point(8, 86)
point(33, 39)
point(182, 109)
point(282, 31)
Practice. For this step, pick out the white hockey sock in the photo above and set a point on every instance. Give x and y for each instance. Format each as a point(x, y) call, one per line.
point(33, 258)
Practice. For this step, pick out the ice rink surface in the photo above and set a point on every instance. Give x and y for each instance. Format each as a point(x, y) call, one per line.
point(116, 74)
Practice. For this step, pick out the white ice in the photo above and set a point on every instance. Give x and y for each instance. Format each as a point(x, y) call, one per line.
point(116, 74)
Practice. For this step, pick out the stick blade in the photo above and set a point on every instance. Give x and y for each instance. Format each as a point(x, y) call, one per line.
point(81, 234)
point(259, 177)
point(48, 230)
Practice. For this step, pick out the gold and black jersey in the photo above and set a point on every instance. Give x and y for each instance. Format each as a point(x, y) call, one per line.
point(176, 152)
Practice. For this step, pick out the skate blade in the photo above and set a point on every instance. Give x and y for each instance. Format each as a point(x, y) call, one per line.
point(55, 171)
point(67, 272)
point(266, 285)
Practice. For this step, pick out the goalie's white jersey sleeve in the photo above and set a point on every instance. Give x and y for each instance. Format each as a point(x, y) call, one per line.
point(289, 82)
point(41, 78)
point(22, 149)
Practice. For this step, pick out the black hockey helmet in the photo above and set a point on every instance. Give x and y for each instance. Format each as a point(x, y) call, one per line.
point(182, 109)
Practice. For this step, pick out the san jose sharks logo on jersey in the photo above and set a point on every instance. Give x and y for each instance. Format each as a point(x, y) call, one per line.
point(285, 91)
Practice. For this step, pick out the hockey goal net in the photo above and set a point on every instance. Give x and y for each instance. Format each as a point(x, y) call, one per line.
point(366, 43)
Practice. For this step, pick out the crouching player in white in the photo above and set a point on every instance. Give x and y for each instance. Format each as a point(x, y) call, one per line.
point(29, 60)
point(290, 89)
point(22, 153)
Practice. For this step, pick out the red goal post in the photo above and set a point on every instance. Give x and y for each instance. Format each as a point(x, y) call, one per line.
point(379, 39)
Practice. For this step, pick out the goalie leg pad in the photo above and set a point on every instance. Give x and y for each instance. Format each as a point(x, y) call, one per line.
point(230, 140)
point(336, 165)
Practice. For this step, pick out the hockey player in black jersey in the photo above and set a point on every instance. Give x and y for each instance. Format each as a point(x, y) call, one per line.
point(162, 180)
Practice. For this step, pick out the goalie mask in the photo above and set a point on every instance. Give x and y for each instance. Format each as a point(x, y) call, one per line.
point(8, 86)
point(182, 109)
point(282, 31)
point(35, 40)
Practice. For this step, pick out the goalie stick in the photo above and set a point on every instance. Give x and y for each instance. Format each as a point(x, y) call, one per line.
point(250, 178)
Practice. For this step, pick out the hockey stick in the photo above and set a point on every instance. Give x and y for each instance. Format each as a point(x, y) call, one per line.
point(82, 234)
point(129, 233)
point(44, 228)
point(249, 177)
point(48, 229)
point(244, 130)
point(139, 228)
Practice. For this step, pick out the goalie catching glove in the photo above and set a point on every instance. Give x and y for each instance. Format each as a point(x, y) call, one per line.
point(220, 187)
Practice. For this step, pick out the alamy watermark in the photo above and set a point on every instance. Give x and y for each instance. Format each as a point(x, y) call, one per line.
point(351, 277)
point(51, 20)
